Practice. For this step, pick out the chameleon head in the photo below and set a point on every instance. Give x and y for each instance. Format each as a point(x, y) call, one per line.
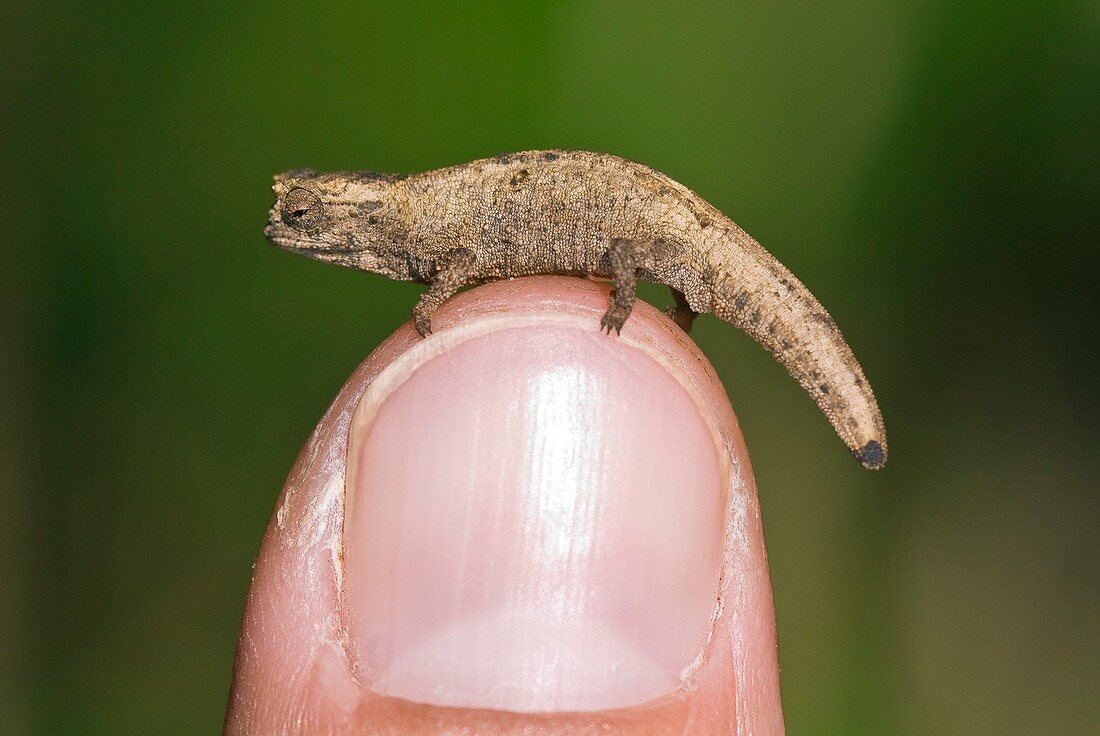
point(336, 217)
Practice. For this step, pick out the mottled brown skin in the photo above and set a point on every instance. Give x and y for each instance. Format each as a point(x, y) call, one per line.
point(589, 214)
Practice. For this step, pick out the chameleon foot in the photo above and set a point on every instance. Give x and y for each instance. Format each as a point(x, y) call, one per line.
point(614, 319)
point(682, 318)
point(423, 324)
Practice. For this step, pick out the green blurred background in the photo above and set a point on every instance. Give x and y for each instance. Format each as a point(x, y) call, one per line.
point(930, 169)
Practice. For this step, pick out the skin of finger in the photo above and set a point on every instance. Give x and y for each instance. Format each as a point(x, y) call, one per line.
point(292, 674)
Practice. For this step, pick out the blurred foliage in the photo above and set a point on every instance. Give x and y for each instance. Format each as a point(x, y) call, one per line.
point(928, 168)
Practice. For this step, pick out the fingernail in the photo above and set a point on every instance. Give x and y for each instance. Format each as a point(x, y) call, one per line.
point(534, 521)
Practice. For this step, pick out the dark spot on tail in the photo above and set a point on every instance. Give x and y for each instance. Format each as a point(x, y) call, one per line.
point(549, 156)
point(871, 455)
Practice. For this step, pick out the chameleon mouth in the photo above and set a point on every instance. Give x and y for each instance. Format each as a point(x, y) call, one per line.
point(280, 237)
point(305, 246)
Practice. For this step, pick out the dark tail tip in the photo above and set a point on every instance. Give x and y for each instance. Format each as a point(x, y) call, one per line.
point(871, 455)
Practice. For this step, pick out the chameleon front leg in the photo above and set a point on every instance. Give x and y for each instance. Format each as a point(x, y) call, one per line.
point(682, 314)
point(455, 270)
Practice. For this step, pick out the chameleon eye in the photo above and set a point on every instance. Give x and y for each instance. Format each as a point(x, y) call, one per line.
point(302, 209)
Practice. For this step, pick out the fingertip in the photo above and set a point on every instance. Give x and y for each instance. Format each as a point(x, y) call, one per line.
point(439, 524)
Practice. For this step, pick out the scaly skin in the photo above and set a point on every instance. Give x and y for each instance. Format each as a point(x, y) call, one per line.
point(591, 214)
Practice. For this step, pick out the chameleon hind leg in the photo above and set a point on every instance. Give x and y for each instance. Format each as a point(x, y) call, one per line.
point(455, 270)
point(624, 258)
point(682, 314)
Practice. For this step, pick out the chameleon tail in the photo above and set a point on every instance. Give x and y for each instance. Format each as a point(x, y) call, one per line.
point(781, 314)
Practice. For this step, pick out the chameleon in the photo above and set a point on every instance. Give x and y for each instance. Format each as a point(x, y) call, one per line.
point(586, 214)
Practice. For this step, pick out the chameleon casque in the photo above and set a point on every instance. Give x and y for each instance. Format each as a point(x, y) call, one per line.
point(587, 214)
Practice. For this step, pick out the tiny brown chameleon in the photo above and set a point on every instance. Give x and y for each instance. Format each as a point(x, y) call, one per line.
point(582, 213)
